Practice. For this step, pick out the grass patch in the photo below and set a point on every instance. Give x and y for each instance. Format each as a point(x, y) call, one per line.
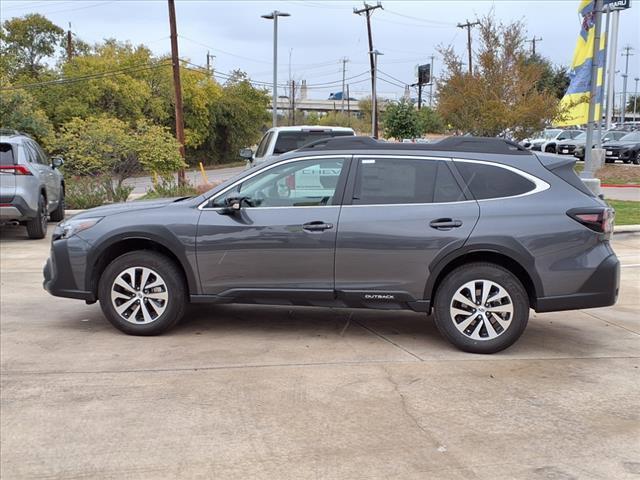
point(627, 212)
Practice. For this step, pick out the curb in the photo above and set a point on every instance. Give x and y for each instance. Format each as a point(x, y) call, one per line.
point(625, 185)
point(626, 229)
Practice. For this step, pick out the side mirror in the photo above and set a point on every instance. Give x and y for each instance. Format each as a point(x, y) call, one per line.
point(57, 162)
point(246, 153)
point(233, 205)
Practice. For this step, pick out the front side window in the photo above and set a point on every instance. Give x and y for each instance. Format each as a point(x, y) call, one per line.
point(490, 181)
point(389, 181)
point(303, 183)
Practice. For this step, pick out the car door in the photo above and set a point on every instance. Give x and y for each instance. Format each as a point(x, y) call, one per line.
point(281, 243)
point(400, 213)
point(46, 173)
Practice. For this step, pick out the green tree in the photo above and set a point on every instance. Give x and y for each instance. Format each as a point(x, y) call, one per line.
point(110, 149)
point(238, 118)
point(503, 90)
point(28, 41)
point(631, 104)
point(401, 120)
point(430, 121)
point(20, 111)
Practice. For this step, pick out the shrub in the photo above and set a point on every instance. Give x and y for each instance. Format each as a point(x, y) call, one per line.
point(166, 188)
point(83, 192)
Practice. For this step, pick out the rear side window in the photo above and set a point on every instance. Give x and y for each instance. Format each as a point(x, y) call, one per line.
point(381, 181)
point(490, 181)
point(288, 141)
point(6, 155)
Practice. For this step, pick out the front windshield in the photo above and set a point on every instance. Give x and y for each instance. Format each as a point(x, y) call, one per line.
point(582, 136)
point(631, 137)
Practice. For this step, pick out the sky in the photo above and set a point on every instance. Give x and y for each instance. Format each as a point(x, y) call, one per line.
point(316, 37)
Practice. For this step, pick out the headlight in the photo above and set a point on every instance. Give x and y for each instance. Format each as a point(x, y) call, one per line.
point(71, 227)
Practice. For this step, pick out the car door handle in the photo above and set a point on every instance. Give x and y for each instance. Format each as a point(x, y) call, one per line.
point(317, 226)
point(445, 223)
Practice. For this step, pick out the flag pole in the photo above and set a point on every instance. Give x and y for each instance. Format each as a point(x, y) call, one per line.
point(593, 157)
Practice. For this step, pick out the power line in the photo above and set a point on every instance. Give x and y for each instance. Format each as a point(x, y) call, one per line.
point(84, 78)
point(468, 26)
point(418, 19)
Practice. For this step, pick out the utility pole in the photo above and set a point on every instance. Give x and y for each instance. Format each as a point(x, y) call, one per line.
point(431, 84)
point(610, 83)
point(292, 116)
point(627, 53)
point(374, 97)
point(533, 41)
point(344, 69)
point(210, 62)
point(367, 10)
point(274, 16)
point(69, 45)
point(175, 61)
point(468, 26)
point(349, 101)
point(593, 157)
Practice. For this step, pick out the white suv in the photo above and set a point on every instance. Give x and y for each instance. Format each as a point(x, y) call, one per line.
point(279, 140)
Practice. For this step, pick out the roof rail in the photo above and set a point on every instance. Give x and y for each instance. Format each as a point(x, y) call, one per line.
point(448, 144)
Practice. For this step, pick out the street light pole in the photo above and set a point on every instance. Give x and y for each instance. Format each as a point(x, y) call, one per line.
point(274, 16)
point(635, 101)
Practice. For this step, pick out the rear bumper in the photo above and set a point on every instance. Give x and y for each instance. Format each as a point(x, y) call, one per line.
point(17, 209)
point(59, 274)
point(600, 290)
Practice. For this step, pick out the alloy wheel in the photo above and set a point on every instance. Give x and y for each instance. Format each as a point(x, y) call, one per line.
point(481, 310)
point(139, 295)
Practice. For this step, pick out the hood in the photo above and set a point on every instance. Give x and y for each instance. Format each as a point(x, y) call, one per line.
point(618, 143)
point(115, 208)
point(571, 141)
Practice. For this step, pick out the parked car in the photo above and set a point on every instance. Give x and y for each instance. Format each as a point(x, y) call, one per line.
point(475, 230)
point(546, 140)
point(31, 184)
point(279, 140)
point(626, 149)
point(575, 146)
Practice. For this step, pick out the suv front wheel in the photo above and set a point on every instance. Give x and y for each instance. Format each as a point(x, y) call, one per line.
point(142, 293)
point(481, 308)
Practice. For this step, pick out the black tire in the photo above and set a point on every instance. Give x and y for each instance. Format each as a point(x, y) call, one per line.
point(454, 281)
point(58, 214)
point(37, 226)
point(175, 288)
point(609, 160)
point(636, 159)
point(550, 149)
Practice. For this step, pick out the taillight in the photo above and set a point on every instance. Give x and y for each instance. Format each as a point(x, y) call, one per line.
point(15, 170)
point(597, 219)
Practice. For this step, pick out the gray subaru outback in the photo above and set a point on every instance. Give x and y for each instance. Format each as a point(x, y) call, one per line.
point(31, 185)
point(477, 231)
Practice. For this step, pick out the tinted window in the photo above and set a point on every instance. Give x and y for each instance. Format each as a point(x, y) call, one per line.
point(6, 154)
point(397, 180)
point(296, 184)
point(262, 148)
point(288, 141)
point(488, 181)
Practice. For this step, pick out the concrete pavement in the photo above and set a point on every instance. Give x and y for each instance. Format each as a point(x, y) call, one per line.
point(621, 193)
point(245, 392)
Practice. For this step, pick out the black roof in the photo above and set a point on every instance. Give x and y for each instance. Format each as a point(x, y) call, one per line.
point(448, 144)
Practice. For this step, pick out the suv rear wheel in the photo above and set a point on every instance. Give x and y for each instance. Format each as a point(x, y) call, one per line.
point(142, 293)
point(37, 226)
point(481, 308)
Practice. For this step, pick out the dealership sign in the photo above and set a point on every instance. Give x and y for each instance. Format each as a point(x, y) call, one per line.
point(617, 4)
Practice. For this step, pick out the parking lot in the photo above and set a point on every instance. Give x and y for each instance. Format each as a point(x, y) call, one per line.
point(279, 393)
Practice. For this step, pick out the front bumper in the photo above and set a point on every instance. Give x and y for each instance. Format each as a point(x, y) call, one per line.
point(64, 272)
point(600, 290)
